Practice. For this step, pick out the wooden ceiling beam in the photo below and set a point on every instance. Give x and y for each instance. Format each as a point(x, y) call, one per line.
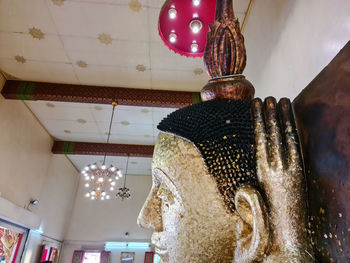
point(23, 90)
point(87, 148)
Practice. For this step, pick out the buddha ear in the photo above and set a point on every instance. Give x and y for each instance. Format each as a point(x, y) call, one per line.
point(252, 232)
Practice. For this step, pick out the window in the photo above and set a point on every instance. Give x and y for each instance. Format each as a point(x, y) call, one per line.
point(82, 256)
point(92, 257)
point(156, 258)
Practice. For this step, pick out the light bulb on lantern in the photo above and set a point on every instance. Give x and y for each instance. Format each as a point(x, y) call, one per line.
point(172, 37)
point(196, 2)
point(194, 47)
point(172, 13)
point(196, 26)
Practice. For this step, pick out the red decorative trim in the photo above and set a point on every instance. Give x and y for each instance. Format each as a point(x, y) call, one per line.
point(149, 254)
point(13, 89)
point(87, 148)
point(44, 254)
point(17, 247)
point(78, 254)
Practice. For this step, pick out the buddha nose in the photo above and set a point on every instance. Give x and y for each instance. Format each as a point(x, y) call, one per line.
point(150, 216)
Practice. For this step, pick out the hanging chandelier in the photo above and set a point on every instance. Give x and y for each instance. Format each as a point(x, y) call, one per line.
point(124, 192)
point(101, 179)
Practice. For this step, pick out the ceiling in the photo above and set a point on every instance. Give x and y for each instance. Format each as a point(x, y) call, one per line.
point(90, 122)
point(96, 42)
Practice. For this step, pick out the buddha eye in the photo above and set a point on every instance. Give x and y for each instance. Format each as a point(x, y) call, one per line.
point(165, 194)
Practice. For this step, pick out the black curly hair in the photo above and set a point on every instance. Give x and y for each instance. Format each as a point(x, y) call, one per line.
point(222, 130)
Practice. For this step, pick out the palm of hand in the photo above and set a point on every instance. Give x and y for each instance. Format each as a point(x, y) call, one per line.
point(280, 173)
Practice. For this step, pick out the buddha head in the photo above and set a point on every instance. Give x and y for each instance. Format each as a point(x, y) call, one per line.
point(228, 182)
point(209, 200)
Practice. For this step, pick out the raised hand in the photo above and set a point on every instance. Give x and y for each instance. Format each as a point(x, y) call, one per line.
point(280, 175)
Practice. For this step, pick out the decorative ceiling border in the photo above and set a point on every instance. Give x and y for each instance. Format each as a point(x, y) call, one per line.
point(88, 148)
point(24, 90)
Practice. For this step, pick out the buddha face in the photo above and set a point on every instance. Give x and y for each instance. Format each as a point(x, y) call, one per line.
point(184, 208)
point(188, 216)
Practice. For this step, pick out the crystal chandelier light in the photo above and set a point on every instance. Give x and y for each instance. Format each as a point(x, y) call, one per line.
point(101, 179)
point(124, 192)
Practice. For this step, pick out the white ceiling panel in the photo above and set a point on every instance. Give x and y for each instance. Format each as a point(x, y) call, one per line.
point(90, 122)
point(18, 16)
point(61, 111)
point(132, 139)
point(159, 114)
point(179, 80)
point(72, 125)
point(113, 76)
point(123, 113)
point(165, 59)
point(153, 14)
point(120, 129)
point(79, 136)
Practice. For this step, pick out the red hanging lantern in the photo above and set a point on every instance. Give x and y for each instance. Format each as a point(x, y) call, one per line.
point(183, 25)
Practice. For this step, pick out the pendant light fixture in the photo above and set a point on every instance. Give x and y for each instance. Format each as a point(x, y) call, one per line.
point(124, 192)
point(101, 179)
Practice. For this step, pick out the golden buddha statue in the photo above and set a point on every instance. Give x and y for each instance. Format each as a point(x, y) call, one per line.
point(228, 181)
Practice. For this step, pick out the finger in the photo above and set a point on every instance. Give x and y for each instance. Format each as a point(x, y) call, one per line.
point(293, 155)
point(274, 138)
point(259, 134)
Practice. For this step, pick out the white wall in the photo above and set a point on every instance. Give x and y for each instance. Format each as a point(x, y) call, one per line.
point(96, 222)
point(290, 41)
point(108, 220)
point(57, 197)
point(28, 170)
